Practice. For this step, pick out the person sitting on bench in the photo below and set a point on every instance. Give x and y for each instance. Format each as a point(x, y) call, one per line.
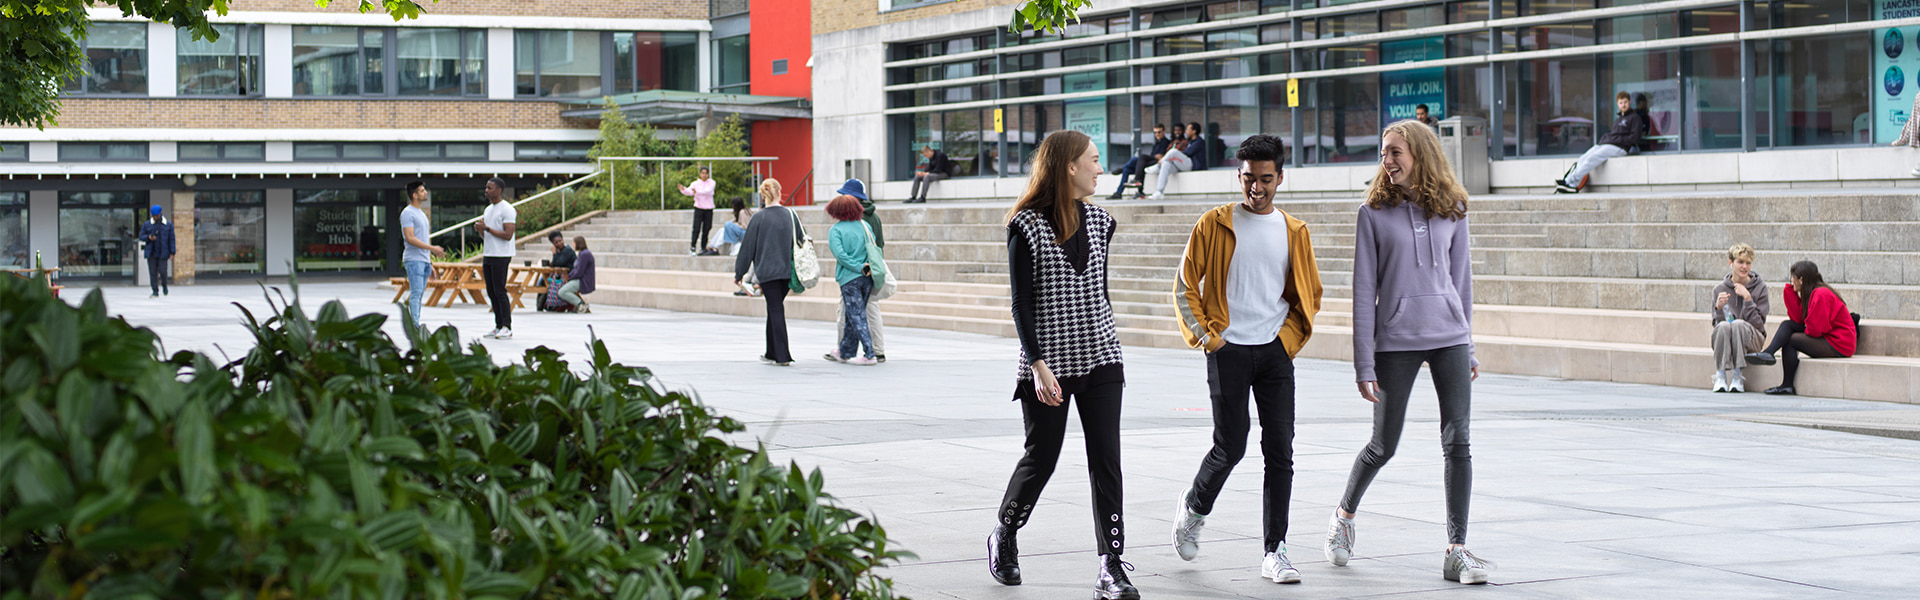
point(580, 280)
point(1628, 126)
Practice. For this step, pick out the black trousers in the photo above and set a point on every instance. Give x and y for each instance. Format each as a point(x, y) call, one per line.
point(776, 293)
point(493, 269)
point(1097, 395)
point(702, 225)
point(1453, 382)
point(158, 273)
point(1267, 372)
point(1793, 339)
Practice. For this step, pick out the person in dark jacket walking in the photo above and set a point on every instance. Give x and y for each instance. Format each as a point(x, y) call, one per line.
point(158, 235)
point(1628, 126)
point(1057, 249)
point(768, 250)
point(938, 167)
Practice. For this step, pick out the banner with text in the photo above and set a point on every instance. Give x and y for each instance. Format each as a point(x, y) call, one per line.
point(1896, 66)
point(1404, 90)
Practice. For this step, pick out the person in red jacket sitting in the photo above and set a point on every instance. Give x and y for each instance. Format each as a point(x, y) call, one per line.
point(1819, 325)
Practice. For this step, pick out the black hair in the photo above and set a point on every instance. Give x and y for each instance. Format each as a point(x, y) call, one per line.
point(1159, 125)
point(501, 183)
point(1262, 147)
point(554, 235)
point(739, 204)
point(1422, 107)
point(1810, 280)
point(413, 187)
point(704, 169)
point(1194, 125)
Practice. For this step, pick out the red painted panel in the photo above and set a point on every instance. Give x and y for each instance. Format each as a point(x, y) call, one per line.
point(782, 29)
point(792, 141)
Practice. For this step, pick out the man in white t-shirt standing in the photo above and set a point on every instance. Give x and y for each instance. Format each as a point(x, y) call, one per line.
point(496, 254)
point(1247, 292)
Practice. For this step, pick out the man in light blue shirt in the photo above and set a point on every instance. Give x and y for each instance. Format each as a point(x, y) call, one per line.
point(418, 256)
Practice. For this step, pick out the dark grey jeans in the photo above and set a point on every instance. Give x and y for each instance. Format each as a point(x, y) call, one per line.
point(1453, 381)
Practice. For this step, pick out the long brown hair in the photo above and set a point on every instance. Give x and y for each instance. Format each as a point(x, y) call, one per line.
point(1432, 186)
point(1810, 280)
point(1050, 189)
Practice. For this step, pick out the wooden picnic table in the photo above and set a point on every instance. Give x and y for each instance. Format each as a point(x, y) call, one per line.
point(32, 273)
point(466, 282)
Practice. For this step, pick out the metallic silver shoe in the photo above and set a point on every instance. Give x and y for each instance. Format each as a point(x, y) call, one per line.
point(1339, 540)
point(1464, 567)
point(1186, 529)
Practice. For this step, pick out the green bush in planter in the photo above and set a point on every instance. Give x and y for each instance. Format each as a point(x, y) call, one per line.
point(330, 463)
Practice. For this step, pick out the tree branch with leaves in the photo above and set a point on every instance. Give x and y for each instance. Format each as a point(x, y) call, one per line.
point(1046, 16)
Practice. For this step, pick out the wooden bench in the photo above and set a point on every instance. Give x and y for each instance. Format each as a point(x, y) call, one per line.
point(46, 274)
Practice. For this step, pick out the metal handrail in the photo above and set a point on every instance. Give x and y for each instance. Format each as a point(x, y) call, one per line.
point(753, 161)
point(517, 204)
point(804, 185)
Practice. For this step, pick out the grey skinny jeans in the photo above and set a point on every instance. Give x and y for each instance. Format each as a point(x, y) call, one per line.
point(1453, 381)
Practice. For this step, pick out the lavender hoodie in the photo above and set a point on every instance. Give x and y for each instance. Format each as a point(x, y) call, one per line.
point(1412, 284)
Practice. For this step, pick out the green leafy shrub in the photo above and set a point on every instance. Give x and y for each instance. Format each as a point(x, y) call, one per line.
point(330, 462)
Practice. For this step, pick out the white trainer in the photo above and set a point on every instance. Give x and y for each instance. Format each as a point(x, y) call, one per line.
point(1738, 382)
point(504, 334)
point(1276, 567)
point(1186, 529)
point(1339, 540)
point(1464, 567)
point(1720, 381)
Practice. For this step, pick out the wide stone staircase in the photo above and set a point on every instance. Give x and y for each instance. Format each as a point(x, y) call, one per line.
point(1590, 287)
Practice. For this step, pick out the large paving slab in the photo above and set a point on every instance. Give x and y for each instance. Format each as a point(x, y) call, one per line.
point(1582, 489)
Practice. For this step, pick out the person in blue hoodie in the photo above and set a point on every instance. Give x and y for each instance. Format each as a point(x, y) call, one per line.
point(157, 234)
point(1413, 304)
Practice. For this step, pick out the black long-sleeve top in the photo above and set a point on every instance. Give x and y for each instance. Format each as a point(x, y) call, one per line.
point(1020, 273)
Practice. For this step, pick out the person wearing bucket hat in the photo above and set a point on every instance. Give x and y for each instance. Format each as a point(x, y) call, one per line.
point(858, 189)
point(157, 234)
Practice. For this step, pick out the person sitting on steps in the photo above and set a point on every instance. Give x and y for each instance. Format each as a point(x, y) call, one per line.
point(1138, 165)
point(1628, 126)
point(1818, 325)
point(1739, 317)
point(580, 279)
point(938, 167)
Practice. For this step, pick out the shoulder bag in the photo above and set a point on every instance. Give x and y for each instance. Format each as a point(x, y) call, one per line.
point(806, 262)
point(883, 282)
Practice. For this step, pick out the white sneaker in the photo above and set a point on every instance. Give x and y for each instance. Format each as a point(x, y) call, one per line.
point(1720, 381)
point(1464, 567)
point(1156, 169)
point(1738, 383)
point(862, 361)
point(491, 334)
point(1277, 568)
point(1339, 540)
point(1915, 171)
point(504, 334)
point(1186, 529)
point(1159, 195)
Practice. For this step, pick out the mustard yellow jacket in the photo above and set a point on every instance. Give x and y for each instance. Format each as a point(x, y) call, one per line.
point(1200, 291)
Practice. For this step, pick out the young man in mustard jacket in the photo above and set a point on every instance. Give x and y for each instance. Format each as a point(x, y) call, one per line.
point(1247, 292)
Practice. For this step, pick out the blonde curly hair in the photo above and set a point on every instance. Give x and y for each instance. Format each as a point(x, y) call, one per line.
point(1431, 185)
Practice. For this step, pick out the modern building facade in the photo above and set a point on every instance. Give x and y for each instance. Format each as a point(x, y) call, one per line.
point(284, 145)
point(1740, 93)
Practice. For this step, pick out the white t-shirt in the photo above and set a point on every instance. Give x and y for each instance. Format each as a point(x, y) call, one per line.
point(1257, 278)
point(498, 215)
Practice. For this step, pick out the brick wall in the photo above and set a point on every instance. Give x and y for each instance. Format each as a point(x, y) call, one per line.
point(623, 9)
point(840, 15)
point(273, 113)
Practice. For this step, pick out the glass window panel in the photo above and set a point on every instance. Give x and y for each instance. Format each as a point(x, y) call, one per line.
point(1232, 115)
point(1467, 92)
point(1275, 118)
point(414, 150)
point(1348, 56)
point(1711, 21)
point(363, 151)
point(679, 61)
point(1275, 63)
point(1413, 18)
point(733, 60)
point(428, 61)
point(339, 238)
point(100, 242)
point(1351, 128)
point(1713, 99)
point(526, 70)
point(473, 69)
point(1179, 44)
point(1557, 110)
point(1821, 12)
point(1655, 74)
point(326, 61)
point(623, 63)
point(1467, 12)
point(1346, 25)
point(116, 55)
point(135, 151)
point(373, 61)
point(465, 151)
point(1477, 43)
point(960, 139)
point(13, 151)
point(1276, 33)
point(1559, 35)
point(229, 232)
point(14, 252)
point(1232, 9)
point(1639, 28)
point(244, 151)
point(1233, 38)
point(570, 64)
point(316, 151)
point(1817, 89)
point(1085, 55)
point(1554, 7)
point(1170, 18)
point(1763, 121)
point(227, 66)
point(1085, 28)
point(1228, 68)
point(199, 152)
point(79, 151)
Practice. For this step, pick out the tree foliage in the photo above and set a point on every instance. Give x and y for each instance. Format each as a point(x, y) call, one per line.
point(329, 462)
point(42, 51)
point(1046, 16)
point(638, 185)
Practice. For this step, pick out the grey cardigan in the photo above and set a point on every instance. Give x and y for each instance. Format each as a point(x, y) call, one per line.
point(767, 246)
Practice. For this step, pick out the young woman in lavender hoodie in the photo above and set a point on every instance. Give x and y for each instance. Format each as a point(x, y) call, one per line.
point(1413, 304)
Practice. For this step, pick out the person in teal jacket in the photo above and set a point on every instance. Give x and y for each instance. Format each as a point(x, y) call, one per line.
point(848, 241)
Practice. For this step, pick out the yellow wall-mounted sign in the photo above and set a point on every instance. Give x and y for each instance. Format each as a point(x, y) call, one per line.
point(999, 120)
point(1293, 93)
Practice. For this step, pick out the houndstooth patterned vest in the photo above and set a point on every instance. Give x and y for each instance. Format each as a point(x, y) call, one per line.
point(1072, 314)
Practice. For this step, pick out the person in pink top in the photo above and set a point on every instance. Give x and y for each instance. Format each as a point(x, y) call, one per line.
point(702, 191)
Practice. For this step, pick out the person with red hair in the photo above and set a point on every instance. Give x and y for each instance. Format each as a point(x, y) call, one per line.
point(848, 240)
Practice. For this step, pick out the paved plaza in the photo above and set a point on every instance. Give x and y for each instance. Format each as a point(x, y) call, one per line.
point(1582, 489)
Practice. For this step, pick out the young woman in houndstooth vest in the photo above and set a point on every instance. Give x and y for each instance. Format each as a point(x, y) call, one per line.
point(1069, 352)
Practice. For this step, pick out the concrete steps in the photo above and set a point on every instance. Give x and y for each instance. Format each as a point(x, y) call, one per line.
point(1585, 287)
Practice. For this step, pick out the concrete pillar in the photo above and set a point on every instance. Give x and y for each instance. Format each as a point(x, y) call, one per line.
point(163, 61)
point(278, 58)
point(185, 257)
point(706, 125)
point(279, 231)
point(500, 64)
